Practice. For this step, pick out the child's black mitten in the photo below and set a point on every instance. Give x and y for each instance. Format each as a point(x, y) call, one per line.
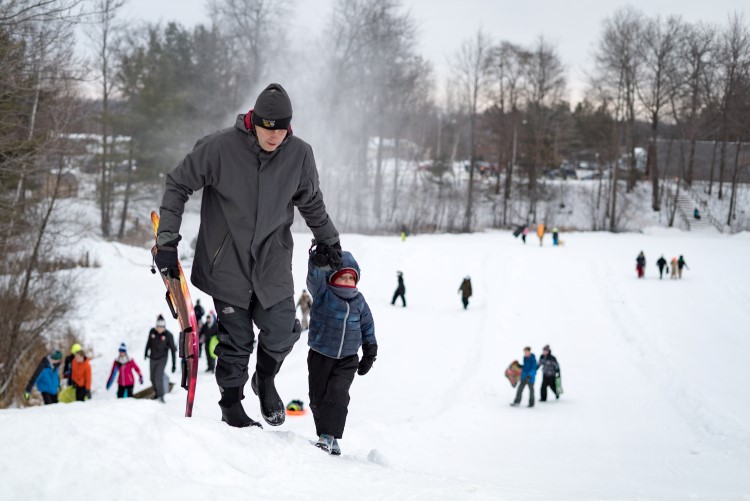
point(369, 354)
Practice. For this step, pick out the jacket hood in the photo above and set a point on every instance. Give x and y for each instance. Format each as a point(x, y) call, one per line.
point(347, 261)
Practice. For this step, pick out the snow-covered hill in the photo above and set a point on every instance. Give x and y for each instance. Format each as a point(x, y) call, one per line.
point(655, 378)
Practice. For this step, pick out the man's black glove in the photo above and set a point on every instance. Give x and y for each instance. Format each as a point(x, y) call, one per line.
point(174, 368)
point(327, 256)
point(369, 354)
point(166, 259)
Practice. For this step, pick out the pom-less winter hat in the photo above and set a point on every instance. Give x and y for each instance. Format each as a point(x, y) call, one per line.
point(273, 108)
point(55, 355)
point(75, 349)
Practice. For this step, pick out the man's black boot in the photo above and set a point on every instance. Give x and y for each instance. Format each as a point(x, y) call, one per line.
point(232, 412)
point(262, 383)
point(271, 406)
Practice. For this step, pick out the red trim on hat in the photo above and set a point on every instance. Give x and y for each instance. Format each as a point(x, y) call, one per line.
point(343, 271)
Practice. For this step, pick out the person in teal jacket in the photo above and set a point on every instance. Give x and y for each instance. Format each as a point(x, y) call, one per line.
point(46, 377)
point(528, 376)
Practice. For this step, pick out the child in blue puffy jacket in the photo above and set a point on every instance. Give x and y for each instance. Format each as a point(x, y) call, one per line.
point(46, 377)
point(528, 375)
point(340, 323)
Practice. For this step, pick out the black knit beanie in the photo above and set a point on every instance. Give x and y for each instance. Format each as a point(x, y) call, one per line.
point(273, 108)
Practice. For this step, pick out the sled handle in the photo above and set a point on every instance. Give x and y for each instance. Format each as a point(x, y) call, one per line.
point(168, 297)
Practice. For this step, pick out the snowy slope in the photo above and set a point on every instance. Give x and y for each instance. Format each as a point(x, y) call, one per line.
point(655, 403)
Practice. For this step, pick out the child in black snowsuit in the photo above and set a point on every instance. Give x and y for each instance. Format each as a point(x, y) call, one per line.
point(340, 323)
point(550, 371)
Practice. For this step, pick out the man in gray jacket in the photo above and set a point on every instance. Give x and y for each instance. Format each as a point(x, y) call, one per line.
point(252, 176)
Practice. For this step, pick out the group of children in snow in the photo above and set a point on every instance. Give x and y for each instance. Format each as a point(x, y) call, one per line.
point(676, 265)
point(77, 368)
point(550, 375)
point(523, 230)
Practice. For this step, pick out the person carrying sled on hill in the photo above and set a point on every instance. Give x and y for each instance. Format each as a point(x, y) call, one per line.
point(199, 313)
point(341, 322)
point(681, 263)
point(550, 372)
point(540, 233)
point(400, 290)
point(661, 264)
point(305, 303)
point(209, 330)
point(640, 264)
point(673, 265)
point(80, 375)
point(528, 376)
point(465, 290)
point(122, 370)
point(252, 176)
point(46, 377)
point(69, 362)
point(160, 343)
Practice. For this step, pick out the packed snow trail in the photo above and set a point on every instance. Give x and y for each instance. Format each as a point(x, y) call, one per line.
point(654, 375)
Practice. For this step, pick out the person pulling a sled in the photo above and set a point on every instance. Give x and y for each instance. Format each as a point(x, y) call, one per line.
point(341, 322)
point(528, 376)
point(550, 373)
point(160, 343)
point(46, 377)
point(252, 176)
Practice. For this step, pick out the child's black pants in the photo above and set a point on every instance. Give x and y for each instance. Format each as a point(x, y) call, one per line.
point(548, 381)
point(330, 380)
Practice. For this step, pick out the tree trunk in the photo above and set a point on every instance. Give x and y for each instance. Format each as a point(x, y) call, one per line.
point(653, 154)
point(126, 200)
point(735, 177)
point(711, 174)
point(378, 177)
point(470, 200)
point(722, 162)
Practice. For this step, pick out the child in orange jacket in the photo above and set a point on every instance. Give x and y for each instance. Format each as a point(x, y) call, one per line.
point(80, 374)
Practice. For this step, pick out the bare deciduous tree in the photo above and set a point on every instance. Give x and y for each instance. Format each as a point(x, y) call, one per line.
point(471, 67)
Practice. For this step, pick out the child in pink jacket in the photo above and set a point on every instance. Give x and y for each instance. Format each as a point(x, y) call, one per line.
point(122, 369)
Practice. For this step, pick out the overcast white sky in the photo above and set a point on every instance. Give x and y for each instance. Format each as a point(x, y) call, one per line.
point(573, 26)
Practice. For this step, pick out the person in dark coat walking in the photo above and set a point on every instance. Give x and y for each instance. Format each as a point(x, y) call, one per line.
point(160, 343)
point(341, 322)
point(209, 329)
point(681, 263)
point(199, 312)
point(550, 371)
point(46, 377)
point(465, 290)
point(661, 264)
point(640, 264)
point(252, 176)
point(528, 376)
point(400, 290)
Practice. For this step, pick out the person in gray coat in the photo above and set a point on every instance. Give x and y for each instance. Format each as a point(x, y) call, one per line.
point(252, 176)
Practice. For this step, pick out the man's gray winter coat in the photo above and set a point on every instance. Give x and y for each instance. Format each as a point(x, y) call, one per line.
point(244, 242)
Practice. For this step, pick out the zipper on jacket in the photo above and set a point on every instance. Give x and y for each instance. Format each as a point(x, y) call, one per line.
point(343, 333)
point(216, 254)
